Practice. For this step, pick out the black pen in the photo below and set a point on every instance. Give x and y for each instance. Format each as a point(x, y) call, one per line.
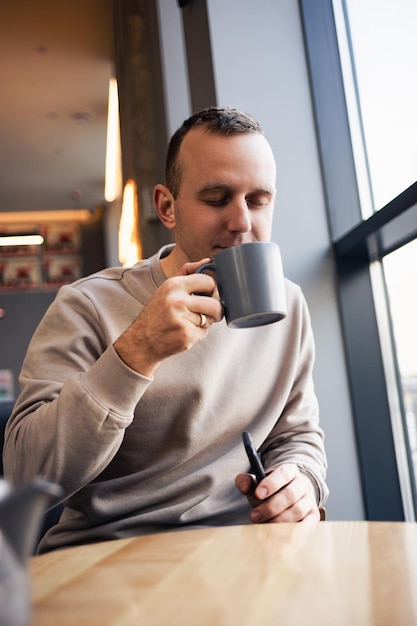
point(253, 456)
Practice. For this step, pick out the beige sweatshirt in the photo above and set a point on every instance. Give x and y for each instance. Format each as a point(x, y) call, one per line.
point(137, 455)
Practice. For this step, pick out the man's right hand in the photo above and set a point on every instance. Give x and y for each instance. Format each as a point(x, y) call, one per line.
point(171, 321)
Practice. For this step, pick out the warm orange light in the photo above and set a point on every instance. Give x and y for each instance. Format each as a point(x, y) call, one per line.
point(38, 217)
point(130, 249)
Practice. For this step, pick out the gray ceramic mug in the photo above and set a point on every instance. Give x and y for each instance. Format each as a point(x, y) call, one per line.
point(251, 283)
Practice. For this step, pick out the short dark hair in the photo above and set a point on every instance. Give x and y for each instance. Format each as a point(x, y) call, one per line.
point(219, 120)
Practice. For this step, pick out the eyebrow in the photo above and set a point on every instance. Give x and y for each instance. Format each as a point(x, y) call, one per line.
point(224, 187)
point(214, 187)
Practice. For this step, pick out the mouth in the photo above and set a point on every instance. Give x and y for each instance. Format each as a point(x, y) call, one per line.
point(217, 248)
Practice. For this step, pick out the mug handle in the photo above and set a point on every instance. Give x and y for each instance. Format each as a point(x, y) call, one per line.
point(205, 268)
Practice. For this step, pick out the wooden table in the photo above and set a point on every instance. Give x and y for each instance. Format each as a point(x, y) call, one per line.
point(332, 573)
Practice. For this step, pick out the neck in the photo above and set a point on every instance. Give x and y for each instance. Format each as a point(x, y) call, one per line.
point(171, 264)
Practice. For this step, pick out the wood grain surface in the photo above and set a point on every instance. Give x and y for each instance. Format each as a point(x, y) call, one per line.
point(332, 573)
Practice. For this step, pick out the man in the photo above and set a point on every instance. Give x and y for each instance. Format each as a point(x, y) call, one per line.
point(134, 392)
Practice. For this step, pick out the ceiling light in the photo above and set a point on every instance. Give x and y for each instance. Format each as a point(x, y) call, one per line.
point(21, 239)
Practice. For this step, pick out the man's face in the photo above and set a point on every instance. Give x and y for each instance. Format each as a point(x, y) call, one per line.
point(227, 193)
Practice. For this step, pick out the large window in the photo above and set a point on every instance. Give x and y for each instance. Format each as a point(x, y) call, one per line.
point(381, 62)
point(361, 55)
point(400, 268)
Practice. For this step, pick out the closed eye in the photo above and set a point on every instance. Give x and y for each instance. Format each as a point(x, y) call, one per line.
point(259, 200)
point(220, 196)
point(216, 201)
point(216, 196)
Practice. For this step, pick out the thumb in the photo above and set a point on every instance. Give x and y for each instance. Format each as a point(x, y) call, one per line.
point(190, 268)
point(245, 483)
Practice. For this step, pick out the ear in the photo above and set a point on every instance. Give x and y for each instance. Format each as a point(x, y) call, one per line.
point(164, 205)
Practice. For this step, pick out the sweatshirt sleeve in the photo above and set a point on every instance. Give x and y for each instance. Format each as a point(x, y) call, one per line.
point(297, 436)
point(77, 397)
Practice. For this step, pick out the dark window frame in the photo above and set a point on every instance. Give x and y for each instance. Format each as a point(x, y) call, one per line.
point(357, 243)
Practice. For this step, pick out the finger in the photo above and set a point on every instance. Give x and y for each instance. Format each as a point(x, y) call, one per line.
point(201, 284)
point(282, 507)
point(190, 268)
point(292, 515)
point(203, 321)
point(276, 480)
point(245, 483)
point(206, 305)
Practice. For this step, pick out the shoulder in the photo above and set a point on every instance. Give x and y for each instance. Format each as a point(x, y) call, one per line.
point(110, 274)
point(294, 294)
point(146, 273)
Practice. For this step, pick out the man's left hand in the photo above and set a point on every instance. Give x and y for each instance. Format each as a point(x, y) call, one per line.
point(286, 494)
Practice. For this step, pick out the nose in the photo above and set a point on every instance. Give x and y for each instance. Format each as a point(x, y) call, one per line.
point(239, 217)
